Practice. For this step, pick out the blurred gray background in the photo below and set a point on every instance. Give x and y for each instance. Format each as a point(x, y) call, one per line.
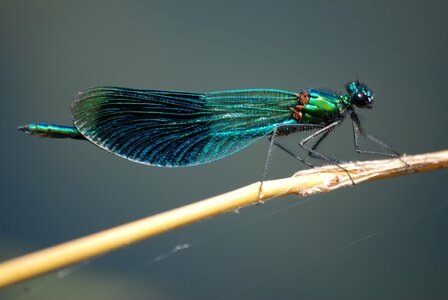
point(379, 240)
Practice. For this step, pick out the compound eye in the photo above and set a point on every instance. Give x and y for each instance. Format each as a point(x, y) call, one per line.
point(360, 99)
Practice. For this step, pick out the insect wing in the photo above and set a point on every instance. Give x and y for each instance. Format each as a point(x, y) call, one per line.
point(176, 129)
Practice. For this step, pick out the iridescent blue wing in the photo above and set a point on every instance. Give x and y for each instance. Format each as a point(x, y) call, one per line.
point(176, 129)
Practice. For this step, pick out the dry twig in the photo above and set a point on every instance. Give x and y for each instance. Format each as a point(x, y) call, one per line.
point(323, 179)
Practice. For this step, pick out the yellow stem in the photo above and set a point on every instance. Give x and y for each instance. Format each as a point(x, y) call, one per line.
point(323, 179)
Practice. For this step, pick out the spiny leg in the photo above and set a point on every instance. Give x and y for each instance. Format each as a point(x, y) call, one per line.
point(316, 145)
point(273, 142)
point(359, 130)
point(267, 162)
point(277, 144)
point(324, 131)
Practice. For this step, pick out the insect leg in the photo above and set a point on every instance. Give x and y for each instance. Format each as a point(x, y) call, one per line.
point(267, 162)
point(295, 128)
point(359, 130)
point(324, 131)
point(316, 145)
point(277, 144)
point(273, 142)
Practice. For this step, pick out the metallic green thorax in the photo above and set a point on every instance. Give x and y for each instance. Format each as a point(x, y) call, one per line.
point(316, 107)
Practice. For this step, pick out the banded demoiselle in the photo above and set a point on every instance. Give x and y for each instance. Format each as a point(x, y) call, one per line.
point(176, 129)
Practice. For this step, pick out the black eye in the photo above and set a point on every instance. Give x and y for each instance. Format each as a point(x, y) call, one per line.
point(360, 99)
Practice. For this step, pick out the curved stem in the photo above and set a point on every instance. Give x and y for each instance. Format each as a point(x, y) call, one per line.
point(323, 179)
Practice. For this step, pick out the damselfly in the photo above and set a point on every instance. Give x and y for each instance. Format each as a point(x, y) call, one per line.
point(176, 129)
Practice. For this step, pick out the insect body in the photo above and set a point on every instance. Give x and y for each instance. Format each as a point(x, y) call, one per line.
point(175, 129)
